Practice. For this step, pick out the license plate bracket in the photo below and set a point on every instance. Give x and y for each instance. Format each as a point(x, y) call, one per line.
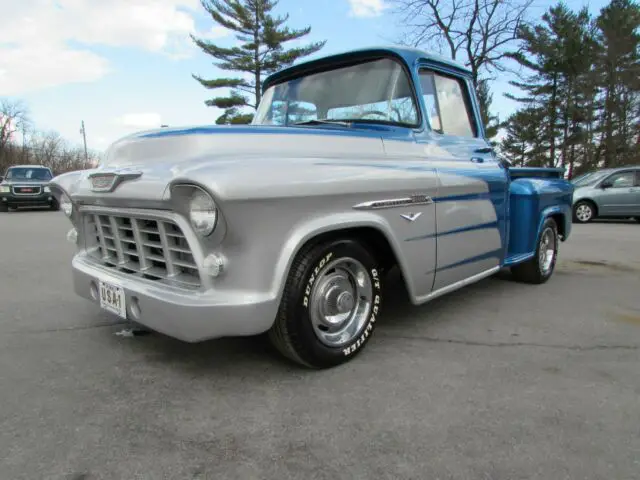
point(112, 299)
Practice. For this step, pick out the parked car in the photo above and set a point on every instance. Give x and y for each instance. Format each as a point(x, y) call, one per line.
point(607, 193)
point(27, 186)
point(354, 163)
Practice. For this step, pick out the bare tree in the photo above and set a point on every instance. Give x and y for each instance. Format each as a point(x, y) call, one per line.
point(477, 33)
point(14, 117)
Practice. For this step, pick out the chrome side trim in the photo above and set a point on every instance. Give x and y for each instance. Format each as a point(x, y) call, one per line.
point(395, 202)
point(457, 285)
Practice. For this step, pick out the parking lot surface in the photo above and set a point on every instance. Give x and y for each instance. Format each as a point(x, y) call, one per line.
point(499, 380)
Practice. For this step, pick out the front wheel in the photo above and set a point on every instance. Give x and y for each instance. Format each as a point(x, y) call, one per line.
point(539, 269)
point(330, 305)
point(583, 212)
point(4, 207)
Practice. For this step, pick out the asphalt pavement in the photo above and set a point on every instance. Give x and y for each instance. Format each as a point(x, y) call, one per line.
point(499, 380)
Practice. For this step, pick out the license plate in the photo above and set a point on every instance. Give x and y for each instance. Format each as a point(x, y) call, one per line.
point(112, 299)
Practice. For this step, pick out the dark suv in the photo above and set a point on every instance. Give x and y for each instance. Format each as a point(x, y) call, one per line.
point(27, 186)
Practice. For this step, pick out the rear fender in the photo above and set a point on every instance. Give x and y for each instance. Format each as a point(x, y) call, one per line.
point(532, 201)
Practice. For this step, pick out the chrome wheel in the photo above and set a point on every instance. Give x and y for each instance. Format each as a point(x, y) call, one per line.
point(584, 212)
point(340, 301)
point(547, 250)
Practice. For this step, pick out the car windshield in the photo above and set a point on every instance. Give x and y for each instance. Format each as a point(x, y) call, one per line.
point(377, 91)
point(28, 173)
point(589, 178)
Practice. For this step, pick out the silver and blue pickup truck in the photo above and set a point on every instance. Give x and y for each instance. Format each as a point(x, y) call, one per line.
point(354, 163)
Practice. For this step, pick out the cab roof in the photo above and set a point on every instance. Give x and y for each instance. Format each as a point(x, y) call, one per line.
point(408, 55)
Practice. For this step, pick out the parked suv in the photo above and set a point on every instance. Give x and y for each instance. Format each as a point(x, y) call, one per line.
point(27, 186)
point(609, 193)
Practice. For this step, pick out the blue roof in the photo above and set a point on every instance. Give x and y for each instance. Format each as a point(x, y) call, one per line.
point(407, 54)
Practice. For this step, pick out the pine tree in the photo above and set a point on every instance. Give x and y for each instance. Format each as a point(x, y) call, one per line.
point(261, 53)
point(619, 68)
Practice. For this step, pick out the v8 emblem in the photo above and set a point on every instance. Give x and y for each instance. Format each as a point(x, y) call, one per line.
point(412, 217)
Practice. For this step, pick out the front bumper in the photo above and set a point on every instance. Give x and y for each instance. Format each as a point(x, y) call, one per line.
point(190, 316)
point(12, 200)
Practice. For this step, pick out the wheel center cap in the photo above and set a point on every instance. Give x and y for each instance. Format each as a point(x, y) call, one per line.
point(345, 302)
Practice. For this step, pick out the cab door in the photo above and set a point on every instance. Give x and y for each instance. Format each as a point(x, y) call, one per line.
point(472, 192)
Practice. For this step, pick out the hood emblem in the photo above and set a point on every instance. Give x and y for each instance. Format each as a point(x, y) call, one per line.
point(107, 181)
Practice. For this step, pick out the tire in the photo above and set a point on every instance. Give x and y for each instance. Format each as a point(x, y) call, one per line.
point(537, 270)
point(300, 332)
point(55, 206)
point(637, 219)
point(3, 208)
point(584, 211)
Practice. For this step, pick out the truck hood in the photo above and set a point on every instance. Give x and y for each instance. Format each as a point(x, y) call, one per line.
point(216, 142)
point(243, 162)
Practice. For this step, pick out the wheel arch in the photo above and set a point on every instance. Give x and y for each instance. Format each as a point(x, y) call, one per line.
point(368, 229)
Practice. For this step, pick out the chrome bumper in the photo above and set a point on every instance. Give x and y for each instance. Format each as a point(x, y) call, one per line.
point(191, 316)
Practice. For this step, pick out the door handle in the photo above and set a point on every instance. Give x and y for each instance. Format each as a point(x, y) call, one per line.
point(477, 159)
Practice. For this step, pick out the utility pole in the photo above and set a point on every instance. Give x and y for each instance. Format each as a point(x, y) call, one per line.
point(84, 137)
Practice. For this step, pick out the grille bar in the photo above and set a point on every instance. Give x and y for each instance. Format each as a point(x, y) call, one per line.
point(155, 249)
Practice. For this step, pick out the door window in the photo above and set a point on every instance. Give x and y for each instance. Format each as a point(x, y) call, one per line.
point(446, 103)
point(621, 180)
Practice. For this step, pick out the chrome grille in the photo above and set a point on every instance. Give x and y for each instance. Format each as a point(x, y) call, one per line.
point(27, 190)
point(149, 248)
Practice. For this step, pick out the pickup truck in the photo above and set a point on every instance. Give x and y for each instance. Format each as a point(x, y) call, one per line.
point(354, 163)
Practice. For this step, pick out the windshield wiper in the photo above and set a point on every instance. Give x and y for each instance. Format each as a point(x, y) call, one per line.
point(323, 121)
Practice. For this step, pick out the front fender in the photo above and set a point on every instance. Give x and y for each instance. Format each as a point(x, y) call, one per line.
point(309, 229)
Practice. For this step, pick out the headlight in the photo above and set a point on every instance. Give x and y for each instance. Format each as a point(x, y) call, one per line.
point(47, 189)
point(202, 213)
point(4, 189)
point(66, 205)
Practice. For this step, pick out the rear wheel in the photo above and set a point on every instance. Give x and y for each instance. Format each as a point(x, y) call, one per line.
point(539, 269)
point(331, 301)
point(584, 211)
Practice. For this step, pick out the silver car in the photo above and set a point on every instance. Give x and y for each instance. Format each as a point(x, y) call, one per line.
point(608, 193)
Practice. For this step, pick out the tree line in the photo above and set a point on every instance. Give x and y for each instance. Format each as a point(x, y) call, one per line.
point(21, 143)
point(581, 104)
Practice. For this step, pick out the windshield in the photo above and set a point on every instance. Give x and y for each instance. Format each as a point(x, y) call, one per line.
point(589, 178)
point(377, 91)
point(28, 173)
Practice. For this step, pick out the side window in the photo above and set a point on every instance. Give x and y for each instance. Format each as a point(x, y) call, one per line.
point(621, 180)
point(445, 101)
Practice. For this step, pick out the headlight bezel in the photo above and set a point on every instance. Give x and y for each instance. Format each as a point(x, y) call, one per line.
point(203, 212)
point(178, 197)
point(66, 205)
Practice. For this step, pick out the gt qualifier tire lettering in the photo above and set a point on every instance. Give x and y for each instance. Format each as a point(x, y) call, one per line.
point(312, 278)
point(372, 319)
point(295, 332)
